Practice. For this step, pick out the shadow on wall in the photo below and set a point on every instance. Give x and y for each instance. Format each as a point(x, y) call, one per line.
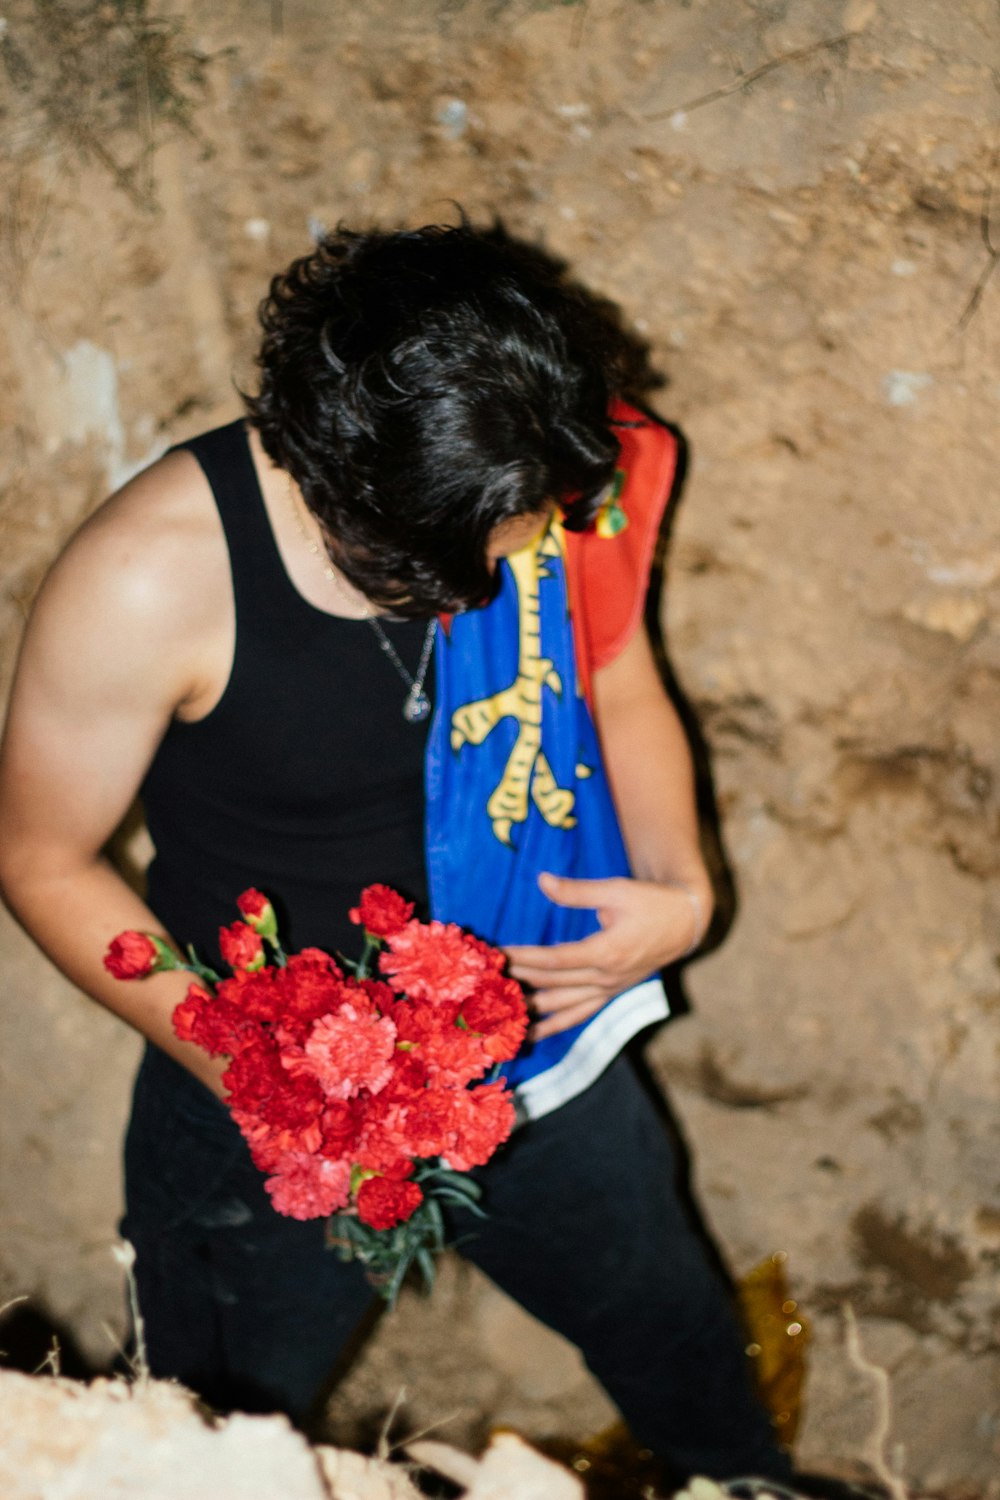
point(719, 865)
point(32, 1341)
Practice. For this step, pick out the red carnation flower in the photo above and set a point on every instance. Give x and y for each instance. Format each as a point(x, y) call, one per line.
point(341, 1124)
point(271, 1139)
point(381, 911)
point(133, 955)
point(241, 947)
point(379, 993)
point(498, 1014)
point(435, 961)
point(385, 1137)
point(266, 1144)
point(255, 1073)
point(409, 1077)
point(416, 1022)
point(380, 1149)
point(483, 1118)
point(187, 1013)
point(257, 910)
point(314, 956)
point(258, 996)
point(427, 1124)
point(215, 1024)
point(297, 1106)
point(454, 1057)
point(383, 1202)
point(493, 958)
point(311, 985)
point(335, 1080)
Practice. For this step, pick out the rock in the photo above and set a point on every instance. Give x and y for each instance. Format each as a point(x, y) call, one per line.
point(60, 1440)
point(351, 1476)
point(508, 1470)
point(858, 15)
point(544, 1363)
point(956, 615)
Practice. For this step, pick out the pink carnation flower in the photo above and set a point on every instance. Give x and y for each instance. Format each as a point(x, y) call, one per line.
point(309, 1187)
point(351, 1051)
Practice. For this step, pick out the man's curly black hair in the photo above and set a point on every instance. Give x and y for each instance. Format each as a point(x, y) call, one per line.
point(424, 386)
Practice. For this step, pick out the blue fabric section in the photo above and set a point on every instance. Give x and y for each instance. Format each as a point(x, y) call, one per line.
point(477, 878)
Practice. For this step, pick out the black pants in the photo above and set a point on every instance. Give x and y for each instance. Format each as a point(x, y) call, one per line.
point(585, 1229)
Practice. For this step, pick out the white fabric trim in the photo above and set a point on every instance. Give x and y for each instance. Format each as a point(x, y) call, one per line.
point(596, 1046)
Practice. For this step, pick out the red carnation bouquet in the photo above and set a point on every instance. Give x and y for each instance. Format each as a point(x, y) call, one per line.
point(359, 1096)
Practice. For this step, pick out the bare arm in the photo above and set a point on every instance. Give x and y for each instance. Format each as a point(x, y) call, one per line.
point(109, 655)
point(650, 920)
point(649, 765)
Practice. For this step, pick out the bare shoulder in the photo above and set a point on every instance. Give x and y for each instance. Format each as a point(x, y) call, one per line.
point(131, 628)
point(159, 534)
point(143, 586)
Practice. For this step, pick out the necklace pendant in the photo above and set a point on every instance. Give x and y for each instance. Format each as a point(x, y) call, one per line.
point(417, 705)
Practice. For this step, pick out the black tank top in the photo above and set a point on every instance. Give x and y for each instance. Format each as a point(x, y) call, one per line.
point(305, 780)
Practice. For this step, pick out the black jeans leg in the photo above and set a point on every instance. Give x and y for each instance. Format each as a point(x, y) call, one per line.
point(587, 1232)
point(585, 1229)
point(249, 1309)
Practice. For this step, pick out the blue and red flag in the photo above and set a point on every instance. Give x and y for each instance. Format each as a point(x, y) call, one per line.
point(515, 779)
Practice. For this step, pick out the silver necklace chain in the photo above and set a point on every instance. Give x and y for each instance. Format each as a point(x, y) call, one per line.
point(416, 705)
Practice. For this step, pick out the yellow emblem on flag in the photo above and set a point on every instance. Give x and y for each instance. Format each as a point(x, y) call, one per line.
point(527, 776)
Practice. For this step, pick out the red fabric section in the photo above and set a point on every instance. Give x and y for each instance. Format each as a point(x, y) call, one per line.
point(608, 575)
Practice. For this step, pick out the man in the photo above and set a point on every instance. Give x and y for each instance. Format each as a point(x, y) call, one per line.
point(244, 634)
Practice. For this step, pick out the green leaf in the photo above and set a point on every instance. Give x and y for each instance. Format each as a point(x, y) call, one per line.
point(458, 1187)
point(428, 1269)
point(391, 1292)
point(435, 1223)
point(464, 1203)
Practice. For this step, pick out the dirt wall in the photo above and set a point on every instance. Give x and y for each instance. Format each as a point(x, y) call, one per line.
point(792, 203)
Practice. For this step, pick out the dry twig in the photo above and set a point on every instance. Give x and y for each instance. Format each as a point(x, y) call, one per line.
point(52, 1361)
point(879, 1435)
point(743, 80)
point(6, 1307)
point(124, 1254)
point(992, 250)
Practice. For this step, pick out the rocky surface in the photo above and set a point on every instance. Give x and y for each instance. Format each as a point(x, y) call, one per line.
point(149, 1440)
point(791, 202)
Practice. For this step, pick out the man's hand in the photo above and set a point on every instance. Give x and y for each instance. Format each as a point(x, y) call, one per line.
point(644, 925)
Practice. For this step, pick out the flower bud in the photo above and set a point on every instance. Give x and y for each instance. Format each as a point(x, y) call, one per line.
point(381, 911)
point(258, 912)
point(133, 955)
point(241, 947)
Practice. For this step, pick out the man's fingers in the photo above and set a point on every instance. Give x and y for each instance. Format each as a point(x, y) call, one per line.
point(562, 1020)
point(540, 979)
point(546, 1002)
point(584, 893)
point(585, 953)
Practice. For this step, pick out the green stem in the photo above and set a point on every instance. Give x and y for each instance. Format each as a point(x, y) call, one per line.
point(372, 946)
point(194, 965)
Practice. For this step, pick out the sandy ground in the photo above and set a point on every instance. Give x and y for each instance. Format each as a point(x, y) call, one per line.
point(791, 203)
